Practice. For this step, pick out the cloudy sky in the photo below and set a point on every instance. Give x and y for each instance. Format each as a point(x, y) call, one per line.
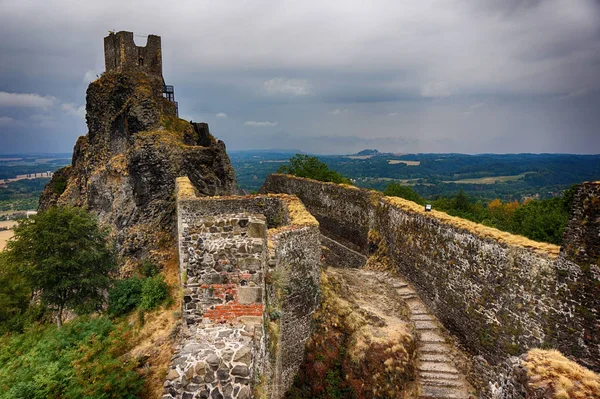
point(331, 76)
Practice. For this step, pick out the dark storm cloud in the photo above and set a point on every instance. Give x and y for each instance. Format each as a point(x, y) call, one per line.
point(336, 76)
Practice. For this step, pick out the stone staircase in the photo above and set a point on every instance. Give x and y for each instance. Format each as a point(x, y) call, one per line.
point(437, 375)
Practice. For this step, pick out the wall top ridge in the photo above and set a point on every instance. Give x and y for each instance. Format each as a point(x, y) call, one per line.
point(480, 230)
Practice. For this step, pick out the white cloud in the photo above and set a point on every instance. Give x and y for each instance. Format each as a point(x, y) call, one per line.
point(74, 110)
point(261, 123)
point(90, 76)
point(392, 114)
point(32, 100)
point(338, 111)
point(294, 87)
point(6, 120)
point(435, 90)
point(221, 115)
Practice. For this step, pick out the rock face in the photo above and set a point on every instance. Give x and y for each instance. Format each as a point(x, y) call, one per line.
point(124, 169)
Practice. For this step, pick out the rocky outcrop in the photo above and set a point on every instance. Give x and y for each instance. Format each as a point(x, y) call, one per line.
point(364, 344)
point(124, 169)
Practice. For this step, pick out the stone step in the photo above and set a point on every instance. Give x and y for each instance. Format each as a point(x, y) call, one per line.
point(428, 375)
point(416, 306)
point(405, 290)
point(431, 336)
point(433, 348)
point(398, 284)
point(429, 392)
point(425, 325)
point(447, 368)
point(422, 317)
point(434, 357)
point(441, 382)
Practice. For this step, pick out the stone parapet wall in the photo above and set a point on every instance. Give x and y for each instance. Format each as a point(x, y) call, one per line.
point(227, 261)
point(342, 210)
point(500, 294)
point(291, 301)
point(338, 254)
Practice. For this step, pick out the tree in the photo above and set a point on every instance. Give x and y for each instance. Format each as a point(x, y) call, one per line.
point(543, 220)
point(302, 165)
point(64, 255)
point(406, 192)
point(461, 202)
point(15, 293)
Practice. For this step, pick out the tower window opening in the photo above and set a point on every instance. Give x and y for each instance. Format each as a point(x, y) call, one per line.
point(141, 62)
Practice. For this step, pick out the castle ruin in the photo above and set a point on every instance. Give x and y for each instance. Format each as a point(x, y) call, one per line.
point(122, 55)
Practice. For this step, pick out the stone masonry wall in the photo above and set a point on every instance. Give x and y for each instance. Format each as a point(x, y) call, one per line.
point(293, 262)
point(223, 249)
point(499, 294)
point(343, 211)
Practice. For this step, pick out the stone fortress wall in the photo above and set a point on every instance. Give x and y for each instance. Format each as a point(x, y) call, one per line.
point(250, 274)
point(499, 294)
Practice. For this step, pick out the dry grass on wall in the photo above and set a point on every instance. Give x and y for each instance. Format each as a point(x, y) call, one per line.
point(476, 228)
point(549, 370)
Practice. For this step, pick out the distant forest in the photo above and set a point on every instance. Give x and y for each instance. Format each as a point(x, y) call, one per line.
point(433, 176)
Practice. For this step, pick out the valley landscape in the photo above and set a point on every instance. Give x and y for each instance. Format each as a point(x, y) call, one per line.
point(433, 232)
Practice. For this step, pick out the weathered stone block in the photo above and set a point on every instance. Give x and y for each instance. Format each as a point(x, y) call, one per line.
point(257, 229)
point(248, 295)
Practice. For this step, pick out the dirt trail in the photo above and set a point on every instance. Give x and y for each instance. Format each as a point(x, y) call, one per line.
point(391, 300)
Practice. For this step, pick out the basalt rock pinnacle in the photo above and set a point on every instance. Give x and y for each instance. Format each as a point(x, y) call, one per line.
point(124, 169)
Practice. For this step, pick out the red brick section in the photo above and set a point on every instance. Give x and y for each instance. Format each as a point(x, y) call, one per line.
point(231, 311)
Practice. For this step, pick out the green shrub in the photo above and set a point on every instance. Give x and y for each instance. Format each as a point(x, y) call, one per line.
point(125, 296)
point(302, 165)
point(149, 269)
point(83, 359)
point(154, 292)
point(406, 192)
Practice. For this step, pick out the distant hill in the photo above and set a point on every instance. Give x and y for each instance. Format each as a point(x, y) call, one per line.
point(367, 152)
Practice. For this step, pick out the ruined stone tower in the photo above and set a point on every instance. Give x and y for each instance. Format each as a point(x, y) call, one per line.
point(122, 55)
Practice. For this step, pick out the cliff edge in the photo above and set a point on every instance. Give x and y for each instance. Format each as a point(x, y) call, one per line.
point(124, 169)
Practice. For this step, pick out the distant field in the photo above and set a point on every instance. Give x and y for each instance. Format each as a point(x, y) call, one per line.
point(360, 156)
point(487, 180)
point(5, 235)
point(8, 223)
point(408, 163)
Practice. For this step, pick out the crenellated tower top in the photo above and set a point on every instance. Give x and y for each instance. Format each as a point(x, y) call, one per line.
point(121, 54)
